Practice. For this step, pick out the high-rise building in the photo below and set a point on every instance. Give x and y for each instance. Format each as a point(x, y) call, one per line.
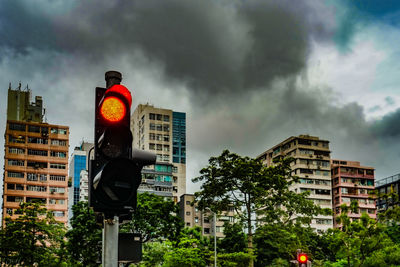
point(162, 131)
point(352, 182)
point(312, 166)
point(193, 216)
point(36, 158)
point(78, 162)
point(385, 187)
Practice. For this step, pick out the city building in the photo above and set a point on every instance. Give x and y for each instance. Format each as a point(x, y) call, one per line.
point(84, 186)
point(78, 162)
point(312, 165)
point(162, 131)
point(385, 187)
point(36, 158)
point(352, 182)
point(193, 216)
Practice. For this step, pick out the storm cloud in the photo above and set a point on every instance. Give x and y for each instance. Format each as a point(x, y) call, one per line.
point(238, 68)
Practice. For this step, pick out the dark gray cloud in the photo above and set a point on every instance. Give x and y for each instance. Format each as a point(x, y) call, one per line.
point(238, 68)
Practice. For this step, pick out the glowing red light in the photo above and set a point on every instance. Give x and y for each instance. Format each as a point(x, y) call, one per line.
point(120, 89)
point(113, 109)
point(302, 258)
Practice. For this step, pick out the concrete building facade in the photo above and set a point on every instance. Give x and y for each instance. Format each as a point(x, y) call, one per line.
point(386, 186)
point(36, 158)
point(193, 216)
point(312, 166)
point(352, 182)
point(162, 131)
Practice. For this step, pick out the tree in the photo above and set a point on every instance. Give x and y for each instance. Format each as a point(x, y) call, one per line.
point(234, 240)
point(252, 188)
point(84, 239)
point(358, 240)
point(34, 237)
point(155, 218)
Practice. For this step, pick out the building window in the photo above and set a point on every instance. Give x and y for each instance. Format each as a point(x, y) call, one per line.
point(206, 230)
point(31, 177)
point(219, 229)
point(15, 174)
point(174, 169)
point(159, 127)
point(37, 165)
point(152, 126)
point(11, 186)
point(57, 142)
point(57, 213)
point(206, 220)
point(19, 187)
point(166, 118)
point(17, 140)
point(152, 136)
point(58, 131)
point(159, 147)
point(12, 162)
point(166, 128)
point(54, 201)
point(166, 138)
point(54, 189)
point(188, 213)
point(188, 224)
point(187, 202)
point(152, 116)
point(33, 129)
point(58, 154)
point(37, 152)
point(15, 199)
point(196, 219)
point(36, 188)
point(152, 146)
point(166, 148)
point(35, 140)
point(57, 178)
point(16, 127)
point(57, 166)
point(15, 150)
point(43, 177)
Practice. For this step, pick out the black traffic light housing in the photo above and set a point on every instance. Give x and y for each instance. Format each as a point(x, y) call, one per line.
point(115, 171)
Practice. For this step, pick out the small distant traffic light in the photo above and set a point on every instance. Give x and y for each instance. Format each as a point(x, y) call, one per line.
point(115, 171)
point(302, 258)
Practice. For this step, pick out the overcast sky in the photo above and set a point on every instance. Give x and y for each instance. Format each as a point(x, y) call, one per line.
point(248, 74)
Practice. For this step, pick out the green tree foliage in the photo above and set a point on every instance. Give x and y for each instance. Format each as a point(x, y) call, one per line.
point(251, 188)
point(84, 239)
point(362, 242)
point(155, 218)
point(34, 237)
point(234, 240)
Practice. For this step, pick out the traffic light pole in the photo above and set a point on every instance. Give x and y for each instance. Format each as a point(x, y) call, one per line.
point(110, 242)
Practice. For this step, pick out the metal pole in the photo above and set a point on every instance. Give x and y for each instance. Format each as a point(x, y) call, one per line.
point(215, 240)
point(110, 242)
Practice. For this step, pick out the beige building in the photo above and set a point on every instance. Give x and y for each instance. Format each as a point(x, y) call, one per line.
point(36, 158)
point(192, 217)
point(352, 182)
point(312, 165)
point(162, 131)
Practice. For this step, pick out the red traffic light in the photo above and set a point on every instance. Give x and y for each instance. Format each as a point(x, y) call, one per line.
point(302, 258)
point(116, 103)
point(113, 109)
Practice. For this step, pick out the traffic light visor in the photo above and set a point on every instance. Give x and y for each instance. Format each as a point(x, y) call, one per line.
point(122, 90)
point(302, 258)
point(113, 109)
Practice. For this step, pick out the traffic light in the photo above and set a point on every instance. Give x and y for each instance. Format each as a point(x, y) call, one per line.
point(302, 258)
point(115, 171)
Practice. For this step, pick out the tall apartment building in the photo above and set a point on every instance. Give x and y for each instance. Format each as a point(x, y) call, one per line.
point(386, 186)
point(352, 182)
point(36, 158)
point(162, 131)
point(78, 162)
point(193, 216)
point(312, 166)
